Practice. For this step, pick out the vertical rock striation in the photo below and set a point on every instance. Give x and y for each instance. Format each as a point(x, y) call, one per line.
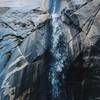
point(50, 51)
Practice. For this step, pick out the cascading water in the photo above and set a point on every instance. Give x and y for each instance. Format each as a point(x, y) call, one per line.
point(58, 52)
point(56, 66)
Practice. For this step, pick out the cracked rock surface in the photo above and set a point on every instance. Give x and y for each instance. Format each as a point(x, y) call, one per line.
point(50, 52)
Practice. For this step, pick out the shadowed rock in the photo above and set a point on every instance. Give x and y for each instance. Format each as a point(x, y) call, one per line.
point(42, 51)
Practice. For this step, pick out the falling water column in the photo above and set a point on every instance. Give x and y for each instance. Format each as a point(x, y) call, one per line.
point(57, 50)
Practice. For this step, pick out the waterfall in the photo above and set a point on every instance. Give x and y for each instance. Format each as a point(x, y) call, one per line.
point(58, 51)
point(56, 66)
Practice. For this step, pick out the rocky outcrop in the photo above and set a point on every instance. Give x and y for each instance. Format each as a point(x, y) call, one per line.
point(48, 52)
point(22, 45)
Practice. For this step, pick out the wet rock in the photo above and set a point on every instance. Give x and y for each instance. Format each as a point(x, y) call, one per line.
point(42, 49)
point(21, 43)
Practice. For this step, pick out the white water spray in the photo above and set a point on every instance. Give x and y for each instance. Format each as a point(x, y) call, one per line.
point(56, 67)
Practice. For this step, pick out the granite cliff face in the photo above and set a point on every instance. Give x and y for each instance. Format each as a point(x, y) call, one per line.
point(50, 51)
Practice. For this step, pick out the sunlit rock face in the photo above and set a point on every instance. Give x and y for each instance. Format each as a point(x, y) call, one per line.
point(50, 51)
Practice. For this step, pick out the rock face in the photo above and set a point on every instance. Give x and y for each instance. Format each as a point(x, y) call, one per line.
point(50, 51)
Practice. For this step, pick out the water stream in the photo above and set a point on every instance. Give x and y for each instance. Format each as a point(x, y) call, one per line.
point(57, 50)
